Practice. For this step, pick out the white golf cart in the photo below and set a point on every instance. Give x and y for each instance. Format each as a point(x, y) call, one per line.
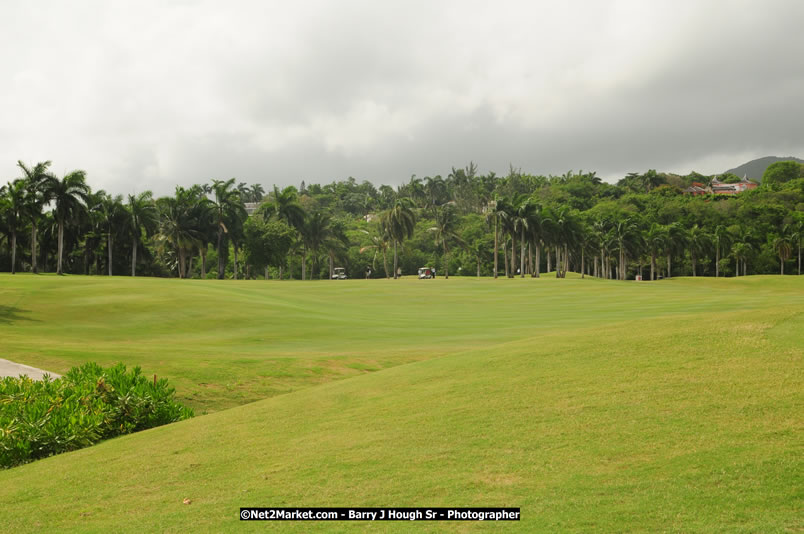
point(425, 273)
point(339, 273)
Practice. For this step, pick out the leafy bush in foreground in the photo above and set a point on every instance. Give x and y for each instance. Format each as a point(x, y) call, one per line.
point(88, 404)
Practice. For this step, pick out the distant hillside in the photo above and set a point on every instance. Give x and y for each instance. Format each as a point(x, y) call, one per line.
point(756, 168)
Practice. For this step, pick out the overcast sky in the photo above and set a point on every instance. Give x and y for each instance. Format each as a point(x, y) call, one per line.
point(147, 95)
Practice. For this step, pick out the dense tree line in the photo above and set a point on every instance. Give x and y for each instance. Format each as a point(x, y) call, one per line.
point(465, 223)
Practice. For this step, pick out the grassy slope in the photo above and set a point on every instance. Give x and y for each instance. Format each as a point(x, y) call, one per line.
point(590, 404)
point(225, 343)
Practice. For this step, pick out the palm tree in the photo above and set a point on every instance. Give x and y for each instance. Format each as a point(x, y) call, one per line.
point(446, 230)
point(600, 230)
point(236, 233)
point(781, 245)
point(584, 241)
point(113, 214)
point(674, 242)
point(508, 231)
point(523, 210)
point(399, 222)
point(747, 237)
point(535, 236)
point(285, 206)
point(180, 224)
point(477, 249)
point(69, 195)
point(380, 243)
point(740, 252)
point(318, 231)
point(257, 192)
point(417, 192)
point(722, 239)
point(699, 242)
point(47, 234)
point(335, 244)
point(626, 233)
point(565, 230)
point(142, 217)
point(227, 206)
point(36, 178)
point(437, 192)
point(795, 232)
point(91, 225)
point(656, 240)
point(244, 192)
point(14, 196)
point(498, 209)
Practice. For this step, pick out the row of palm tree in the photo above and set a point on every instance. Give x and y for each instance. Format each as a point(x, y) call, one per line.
point(183, 226)
point(603, 247)
point(185, 222)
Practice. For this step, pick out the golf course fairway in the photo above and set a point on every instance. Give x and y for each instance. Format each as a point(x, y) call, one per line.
point(592, 405)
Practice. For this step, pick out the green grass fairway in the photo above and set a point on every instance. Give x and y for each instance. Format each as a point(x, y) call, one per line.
point(592, 405)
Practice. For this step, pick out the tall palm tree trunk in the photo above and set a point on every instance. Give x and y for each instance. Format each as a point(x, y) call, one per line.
point(396, 263)
point(602, 255)
point(513, 255)
point(234, 246)
point(109, 250)
point(717, 259)
point(478, 266)
point(34, 268)
point(693, 264)
point(668, 266)
point(496, 245)
point(134, 257)
point(547, 252)
point(583, 264)
point(221, 266)
point(61, 248)
point(304, 262)
point(522, 254)
point(13, 252)
point(559, 261)
point(280, 272)
point(505, 258)
point(653, 265)
point(203, 251)
point(385, 263)
point(446, 261)
point(537, 261)
point(181, 262)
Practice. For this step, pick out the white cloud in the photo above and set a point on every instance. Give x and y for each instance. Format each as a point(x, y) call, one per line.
point(150, 95)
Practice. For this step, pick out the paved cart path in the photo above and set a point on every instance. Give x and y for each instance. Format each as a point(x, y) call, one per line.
point(8, 368)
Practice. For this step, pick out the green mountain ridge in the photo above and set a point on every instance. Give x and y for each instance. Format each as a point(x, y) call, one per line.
point(754, 169)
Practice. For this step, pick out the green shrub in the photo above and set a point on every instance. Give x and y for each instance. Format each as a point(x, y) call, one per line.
point(88, 404)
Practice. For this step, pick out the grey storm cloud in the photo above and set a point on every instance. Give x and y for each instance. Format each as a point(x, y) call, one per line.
point(152, 95)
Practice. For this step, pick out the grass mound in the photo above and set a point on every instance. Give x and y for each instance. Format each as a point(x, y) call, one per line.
point(592, 405)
